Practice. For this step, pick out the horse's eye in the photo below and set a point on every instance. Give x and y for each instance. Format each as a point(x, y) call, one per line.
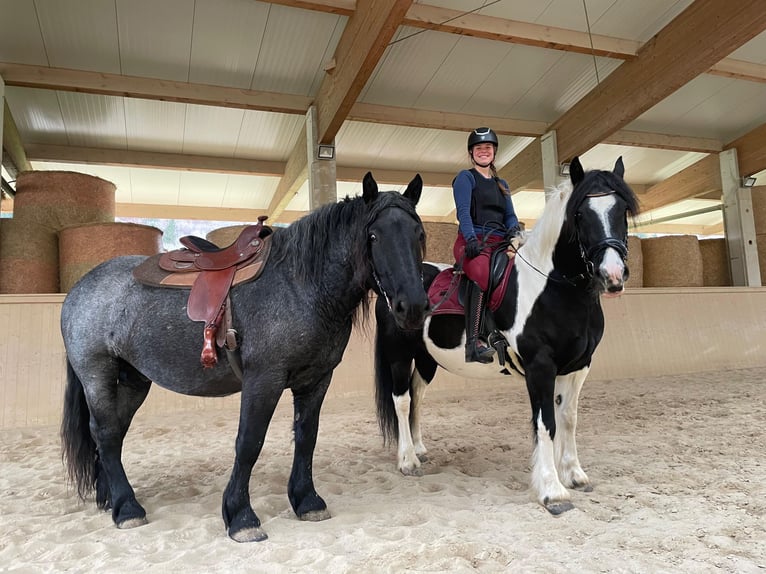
point(373, 238)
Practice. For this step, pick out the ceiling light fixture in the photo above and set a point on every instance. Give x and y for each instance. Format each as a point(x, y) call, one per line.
point(747, 181)
point(564, 168)
point(326, 151)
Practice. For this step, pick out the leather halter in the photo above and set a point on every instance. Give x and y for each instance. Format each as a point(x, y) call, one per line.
point(587, 255)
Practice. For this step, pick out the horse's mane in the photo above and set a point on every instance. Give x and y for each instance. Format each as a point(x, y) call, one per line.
point(333, 234)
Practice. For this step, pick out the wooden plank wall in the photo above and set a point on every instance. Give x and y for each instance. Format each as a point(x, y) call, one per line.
point(649, 332)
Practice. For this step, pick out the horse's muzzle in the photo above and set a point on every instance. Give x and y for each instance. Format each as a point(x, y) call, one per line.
point(410, 313)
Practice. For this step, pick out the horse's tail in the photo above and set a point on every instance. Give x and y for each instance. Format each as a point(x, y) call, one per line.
point(384, 388)
point(78, 449)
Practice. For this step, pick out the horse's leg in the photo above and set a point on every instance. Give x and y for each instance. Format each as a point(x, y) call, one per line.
point(568, 464)
point(307, 403)
point(547, 487)
point(418, 390)
point(407, 458)
point(112, 406)
point(255, 412)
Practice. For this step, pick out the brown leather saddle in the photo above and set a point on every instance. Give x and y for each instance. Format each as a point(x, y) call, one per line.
point(210, 272)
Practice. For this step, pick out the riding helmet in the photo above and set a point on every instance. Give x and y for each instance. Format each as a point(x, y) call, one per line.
point(481, 135)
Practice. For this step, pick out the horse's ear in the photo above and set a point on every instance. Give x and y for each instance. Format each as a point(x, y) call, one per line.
point(576, 173)
point(619, 168)
point(413, 189)
point(369, 188)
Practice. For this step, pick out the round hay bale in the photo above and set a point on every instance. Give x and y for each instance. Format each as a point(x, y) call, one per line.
point(672, 261)
point(635, 262)
point(28, 258)
point(758, 195)
point(225, 236)
point(440, 237)
point(60, 199)
point(82, 247)
point(715, 263)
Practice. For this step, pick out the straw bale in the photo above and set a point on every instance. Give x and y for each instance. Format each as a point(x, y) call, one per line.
point(60, 199)
point(758, 195)
point(635, 262)
point(672, 261)
point(28, 258)
point(225, 236)
point(440, 237)
point(82, 247)
point(715, 263)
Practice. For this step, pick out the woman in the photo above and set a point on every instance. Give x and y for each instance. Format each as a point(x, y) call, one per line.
point(486, 216)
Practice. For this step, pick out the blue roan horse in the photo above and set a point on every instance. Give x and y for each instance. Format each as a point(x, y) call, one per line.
point(294, 322)
point(551, 317)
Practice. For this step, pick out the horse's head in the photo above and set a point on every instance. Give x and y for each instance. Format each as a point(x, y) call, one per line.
point(396, 245)
point(599, 208)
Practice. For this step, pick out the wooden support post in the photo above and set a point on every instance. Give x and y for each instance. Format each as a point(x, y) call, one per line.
point(322, 175)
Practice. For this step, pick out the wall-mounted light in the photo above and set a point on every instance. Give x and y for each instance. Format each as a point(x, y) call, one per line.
point(564, 168)
point(326, 151)
point(747, 181)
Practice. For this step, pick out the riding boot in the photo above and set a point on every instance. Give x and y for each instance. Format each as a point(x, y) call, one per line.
point(475, 350)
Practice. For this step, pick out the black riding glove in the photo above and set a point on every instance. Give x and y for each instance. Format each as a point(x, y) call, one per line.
point(512, 232)
point(472, 248)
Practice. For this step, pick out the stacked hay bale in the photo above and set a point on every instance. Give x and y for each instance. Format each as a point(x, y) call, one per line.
point(45, 203)
point(83, 247)
point(715, 263)
point(758, 195)
point(440, 237)
point(635, 262)
point(672, 261)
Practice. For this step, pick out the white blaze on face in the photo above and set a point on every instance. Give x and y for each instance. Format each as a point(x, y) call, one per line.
point(612, 266)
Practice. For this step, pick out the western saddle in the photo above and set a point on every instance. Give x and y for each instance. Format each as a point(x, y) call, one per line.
point(210, 272)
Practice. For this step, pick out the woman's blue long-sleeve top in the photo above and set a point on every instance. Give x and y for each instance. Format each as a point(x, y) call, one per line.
point(462, 190)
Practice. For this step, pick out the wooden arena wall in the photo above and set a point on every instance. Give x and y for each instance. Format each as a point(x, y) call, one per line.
point(650, 331)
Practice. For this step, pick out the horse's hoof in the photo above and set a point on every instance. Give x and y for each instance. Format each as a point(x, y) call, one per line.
point(557, 508)
point(423, 457)
point(132, 523)
point(582, 486)
point(254, 534)
point(315, 515)
point(416, 471)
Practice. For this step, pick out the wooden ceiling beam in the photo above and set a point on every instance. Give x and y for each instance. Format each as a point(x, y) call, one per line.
point(701, 177)
point(429, 17)
point(751, 151)
point(362, 44)
point(672, 58)
point(68, 80)
point(698, 38)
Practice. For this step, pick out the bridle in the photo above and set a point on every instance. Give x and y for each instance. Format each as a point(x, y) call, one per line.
point(587, 255)
point(375, 275)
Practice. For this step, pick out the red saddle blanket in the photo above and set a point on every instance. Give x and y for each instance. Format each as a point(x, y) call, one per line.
point(443, 292)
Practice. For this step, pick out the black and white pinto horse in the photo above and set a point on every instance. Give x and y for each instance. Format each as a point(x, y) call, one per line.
point(551, 317)
point(294, 322)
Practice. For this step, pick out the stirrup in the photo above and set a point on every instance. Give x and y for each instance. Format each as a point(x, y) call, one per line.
point(476, 353)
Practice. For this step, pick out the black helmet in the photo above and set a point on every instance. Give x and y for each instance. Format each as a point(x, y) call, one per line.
point(481, 135)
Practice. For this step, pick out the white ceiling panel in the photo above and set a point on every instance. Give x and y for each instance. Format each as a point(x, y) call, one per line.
point(201, 189)
point(37, 114)
point(211, 131)
point(296, 46)
point(226, 39)
point(645, 166)
point(268, 136)
point(155, 125)
point(407, 66)
point(93, 120)
point(754, 51)
point(72, 41)
point(157, 186)
point(21, 39)
point(155, 38)
point(249, 192)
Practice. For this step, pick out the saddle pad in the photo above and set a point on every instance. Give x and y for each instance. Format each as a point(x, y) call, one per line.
point(150, 273)
point(443, 293)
